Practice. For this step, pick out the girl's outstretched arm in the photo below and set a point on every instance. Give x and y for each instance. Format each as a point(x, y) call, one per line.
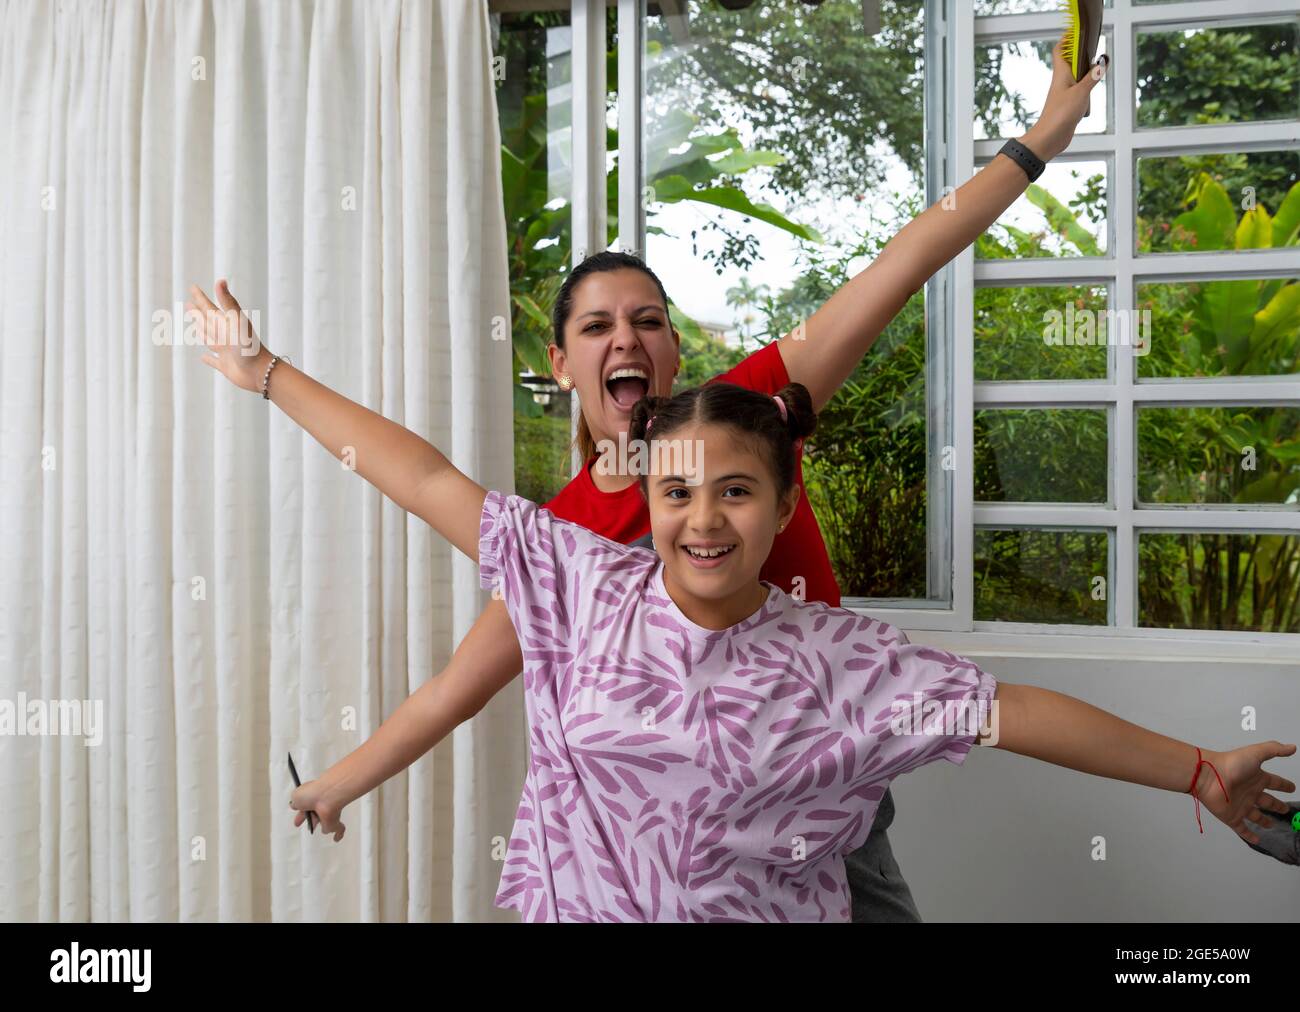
point(825, 352)
point(487, 659)
point(1069, 732)
point(408, 469)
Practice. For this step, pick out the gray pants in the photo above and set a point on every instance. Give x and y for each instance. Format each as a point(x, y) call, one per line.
point(876, 887)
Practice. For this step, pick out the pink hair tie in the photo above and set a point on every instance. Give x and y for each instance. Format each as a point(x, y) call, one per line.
point(649, 423)
point(780, 404)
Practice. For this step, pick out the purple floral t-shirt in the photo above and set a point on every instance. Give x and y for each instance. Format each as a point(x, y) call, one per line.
point(679, 773)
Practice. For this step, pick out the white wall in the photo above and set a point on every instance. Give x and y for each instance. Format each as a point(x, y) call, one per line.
point(1005, 838)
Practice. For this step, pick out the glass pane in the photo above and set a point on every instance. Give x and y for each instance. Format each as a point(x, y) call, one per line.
point(1043, 575)
point(1246, 327)
point(984, 8)
point(1195, 203)
point(1241, 74)
point(1045, 332)
point(1011, 81)
point(1193, 580)
point(535, 117)
point(1242, 455)
point(1061, 215)
point(1056, 455)
point(808, 135)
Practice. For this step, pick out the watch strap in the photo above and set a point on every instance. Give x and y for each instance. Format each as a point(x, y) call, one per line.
point(1026, 159)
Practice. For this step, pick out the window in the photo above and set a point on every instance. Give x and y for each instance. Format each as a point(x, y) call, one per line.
point(777, 146)
point(1111, 375)
point(1132, 333)
point(532, 71)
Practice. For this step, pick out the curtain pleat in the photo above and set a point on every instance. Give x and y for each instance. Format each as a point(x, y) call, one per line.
point(180, 550)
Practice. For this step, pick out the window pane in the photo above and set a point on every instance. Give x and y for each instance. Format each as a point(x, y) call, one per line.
point(1195, 203)
point(1242, 455)
point(1056, 455)
point(1011, 81)
point(1191, 580)
point(535, 117)
point(1243, 73)
point(1246, 327)
point(809, 137)
point(987, 7)
point(1061, 215)
point(1052, 332)
point(1050, 576)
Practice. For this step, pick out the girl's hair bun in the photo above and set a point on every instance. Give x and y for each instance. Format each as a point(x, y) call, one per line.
point(642, 411)
point(801, 420)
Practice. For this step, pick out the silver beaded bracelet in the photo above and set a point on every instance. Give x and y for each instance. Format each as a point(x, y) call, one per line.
point(266, 380)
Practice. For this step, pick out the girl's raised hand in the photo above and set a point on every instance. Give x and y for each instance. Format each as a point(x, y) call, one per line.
point(1247, 784)
point(1066, 105)
point(235, 350)
point(313, 797)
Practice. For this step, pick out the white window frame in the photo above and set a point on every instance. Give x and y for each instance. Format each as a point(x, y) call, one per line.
point(1120, 269)
point(952, 157)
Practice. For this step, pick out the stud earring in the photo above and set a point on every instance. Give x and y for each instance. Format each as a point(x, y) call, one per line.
point(566, 383)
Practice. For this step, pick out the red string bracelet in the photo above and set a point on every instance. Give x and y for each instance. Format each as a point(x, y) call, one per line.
point(1192, 789)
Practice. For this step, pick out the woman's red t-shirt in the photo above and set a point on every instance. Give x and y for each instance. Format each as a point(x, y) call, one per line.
point(798, 551)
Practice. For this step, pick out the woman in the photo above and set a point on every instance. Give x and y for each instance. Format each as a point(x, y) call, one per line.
point(611, 316)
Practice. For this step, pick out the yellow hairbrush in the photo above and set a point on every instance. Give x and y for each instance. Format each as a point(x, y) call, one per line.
point(1082, 36)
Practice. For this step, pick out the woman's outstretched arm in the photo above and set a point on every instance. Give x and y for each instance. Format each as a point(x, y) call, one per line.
point(408, 469)
point(487, 660)
point(824, 353)
point(1066, 731)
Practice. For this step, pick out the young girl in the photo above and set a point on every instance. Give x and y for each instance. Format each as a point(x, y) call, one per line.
point(705, 747)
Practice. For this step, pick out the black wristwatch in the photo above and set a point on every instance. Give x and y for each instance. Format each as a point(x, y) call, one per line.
point(1026, 159)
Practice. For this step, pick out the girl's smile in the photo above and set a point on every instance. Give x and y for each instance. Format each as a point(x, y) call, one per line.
point(708, 557)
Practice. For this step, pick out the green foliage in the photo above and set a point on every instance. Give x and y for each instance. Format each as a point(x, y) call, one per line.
point(1062, 221)
point(1220, 581)
point(813, 87)
point(541, 455)
point(1062, 233)
point(1218, 75)
point(865, 467)
point(1009, 325)
point(1054, 455)
point(703, 357)
point(1246, 455)
point(1048, 575)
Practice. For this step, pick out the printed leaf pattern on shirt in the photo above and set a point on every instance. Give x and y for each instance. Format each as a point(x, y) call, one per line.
point(677, 773)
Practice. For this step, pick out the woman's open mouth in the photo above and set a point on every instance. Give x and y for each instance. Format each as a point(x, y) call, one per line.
point(708, 558)
point(626, 386)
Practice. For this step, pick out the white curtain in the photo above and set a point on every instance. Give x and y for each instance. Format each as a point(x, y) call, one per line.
point(178, 549)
